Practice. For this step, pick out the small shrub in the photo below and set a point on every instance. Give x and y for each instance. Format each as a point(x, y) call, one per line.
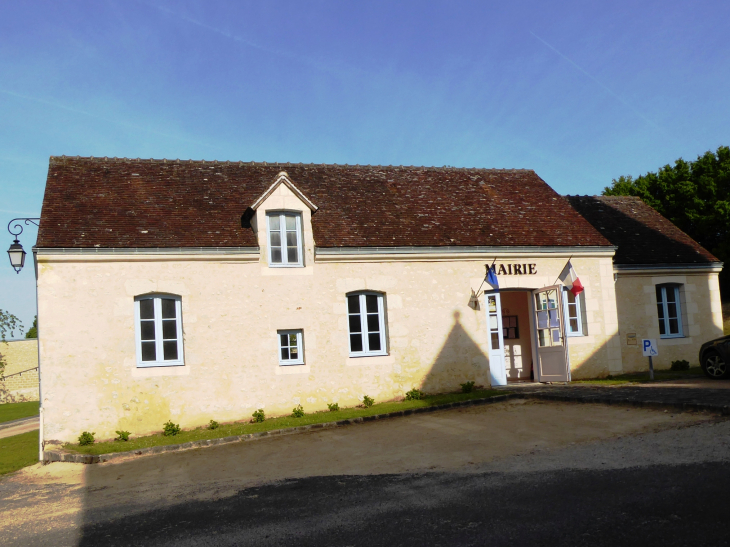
point(170, 429)
point(334, 407)
point(213, 424)
point(367, 402)
point(297, 412)
point(122, 436)
point(682, 364)
point(414, 395)
point(86, 438)
point(467, 387)
point(259, 415)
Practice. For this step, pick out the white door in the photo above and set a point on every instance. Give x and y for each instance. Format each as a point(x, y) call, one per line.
point(552, 351)
point(497, 372)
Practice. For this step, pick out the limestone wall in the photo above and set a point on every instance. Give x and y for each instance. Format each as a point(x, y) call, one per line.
point(21, 371)
point(637, 309)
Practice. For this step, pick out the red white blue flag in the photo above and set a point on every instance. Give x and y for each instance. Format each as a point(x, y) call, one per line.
point(570, 279)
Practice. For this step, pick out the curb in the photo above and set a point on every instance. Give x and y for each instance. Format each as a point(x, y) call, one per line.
point(50, 456)
point(19, 421)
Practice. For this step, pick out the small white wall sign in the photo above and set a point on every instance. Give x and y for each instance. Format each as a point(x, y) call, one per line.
point(649, 347)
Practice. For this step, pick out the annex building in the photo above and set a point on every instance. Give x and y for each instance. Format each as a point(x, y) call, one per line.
point(193, 290)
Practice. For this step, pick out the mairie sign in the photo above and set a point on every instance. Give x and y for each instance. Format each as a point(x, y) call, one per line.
point(515, 269)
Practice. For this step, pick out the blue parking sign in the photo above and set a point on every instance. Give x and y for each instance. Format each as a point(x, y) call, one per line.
point(649, 347)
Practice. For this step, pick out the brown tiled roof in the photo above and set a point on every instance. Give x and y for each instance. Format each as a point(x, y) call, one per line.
point(99, 202)
point(642, 235)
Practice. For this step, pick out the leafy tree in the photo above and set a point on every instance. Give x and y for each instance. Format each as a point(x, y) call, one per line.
point(694, 195)
point(33, 331)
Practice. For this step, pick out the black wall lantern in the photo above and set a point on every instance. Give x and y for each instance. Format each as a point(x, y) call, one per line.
point(16, 253)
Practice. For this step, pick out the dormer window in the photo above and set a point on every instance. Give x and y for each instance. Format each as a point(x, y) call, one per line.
point(285, 239)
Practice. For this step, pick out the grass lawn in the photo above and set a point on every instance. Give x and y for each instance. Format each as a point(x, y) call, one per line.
point(18, 451)
point(241, 428)
point(15, 411)
point(643, 377)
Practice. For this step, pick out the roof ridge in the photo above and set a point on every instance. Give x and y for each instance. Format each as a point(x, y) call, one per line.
point(289, 164)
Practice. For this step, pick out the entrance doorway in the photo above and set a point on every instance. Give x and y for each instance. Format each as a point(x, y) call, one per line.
point(526, 334)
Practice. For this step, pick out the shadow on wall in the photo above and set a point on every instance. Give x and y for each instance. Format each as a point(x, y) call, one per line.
point(460, 360)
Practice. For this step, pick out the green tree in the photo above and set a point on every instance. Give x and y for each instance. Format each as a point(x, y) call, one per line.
point(33, 331)
point(694, 195)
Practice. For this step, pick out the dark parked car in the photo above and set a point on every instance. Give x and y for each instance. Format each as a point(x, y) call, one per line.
point(715, 358)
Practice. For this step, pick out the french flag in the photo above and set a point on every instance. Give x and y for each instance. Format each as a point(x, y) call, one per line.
point(570, 279)
point(491, 278)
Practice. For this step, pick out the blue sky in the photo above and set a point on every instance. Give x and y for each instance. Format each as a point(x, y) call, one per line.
point(581, 92)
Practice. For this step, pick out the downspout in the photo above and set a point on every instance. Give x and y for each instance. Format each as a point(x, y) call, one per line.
point(40, 376)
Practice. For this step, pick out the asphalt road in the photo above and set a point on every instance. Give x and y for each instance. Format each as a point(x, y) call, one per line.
point(658, 505)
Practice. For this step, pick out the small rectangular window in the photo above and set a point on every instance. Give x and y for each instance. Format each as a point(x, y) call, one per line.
point(158, 331)
point(669, 311)
point(291, 347)
point(285, 239)
point(574, 320)
point(366, 324)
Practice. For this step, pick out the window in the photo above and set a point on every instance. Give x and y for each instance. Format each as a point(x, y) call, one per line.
point(158, 331)
point(285, 239)
point(669, 311)
point(574, 313)
point(291, 351)
point(366, 322)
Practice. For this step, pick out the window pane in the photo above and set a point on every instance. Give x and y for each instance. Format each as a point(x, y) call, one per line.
point(291, 222)
point(573, 325)
point(660, 311)
point(293, 352)
point(169, 329)
point(373, 323)
point(291, 239)
point(147, 309)
point(672, 310)
point(374, 341)
point(659, 295)
point(355, 342)
point(671, 294)
point(274, 223)
point(275, 238)
point(292, 255)
point(293, 340)
point(148, 351)
point(571, 297)
point(371, 303)
point(662, 327)
point(673, 326)
point(284, 354)
point(276, 256)
point(168, 308)
point(353, 304)
point(170, 349)
point(354, 323)
point(147, 330)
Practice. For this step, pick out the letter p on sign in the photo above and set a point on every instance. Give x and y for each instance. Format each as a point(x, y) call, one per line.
point(649, 347)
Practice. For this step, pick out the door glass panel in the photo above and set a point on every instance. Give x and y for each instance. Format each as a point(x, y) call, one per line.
point(542, 320)
point(492, 304)
point(556, 337)
point(495, 340)
point(493, 324)
point(554, 319)
point(542, 338)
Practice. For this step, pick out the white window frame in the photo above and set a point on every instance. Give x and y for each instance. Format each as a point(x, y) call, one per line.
point(300, 346)
point(578, 314)
point(159, 348)
point(663, 288)
point(282, 231)
point(363, 324)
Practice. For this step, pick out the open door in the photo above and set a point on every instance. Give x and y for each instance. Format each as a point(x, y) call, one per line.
point(497, 372)
point(552, 350)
